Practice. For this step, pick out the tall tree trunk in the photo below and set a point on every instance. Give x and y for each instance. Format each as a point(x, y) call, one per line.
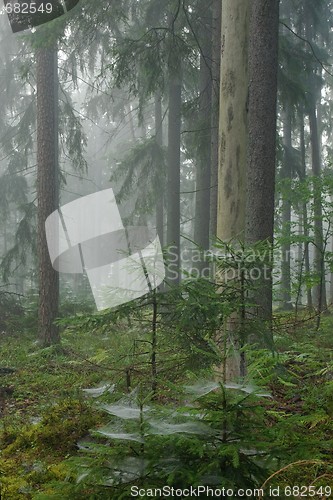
point(300, 262)
point(286, 213)
point(232, 159)
point(319, 262)
point(160, 191)
point(216, 68)
point(233, 120)
point(305, 214)
point(330, 281)
point(263, 65)
point(173, 163)
point(47, 189)
point(330, 300)
point(319, 290)
point(203, 171)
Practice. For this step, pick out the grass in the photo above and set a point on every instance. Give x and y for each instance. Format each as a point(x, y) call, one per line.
point(46, 412)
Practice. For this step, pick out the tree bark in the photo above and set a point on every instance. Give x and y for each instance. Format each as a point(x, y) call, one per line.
point(263, 66)
point(305, 214)
point(319, 261)
point(233, 120)
point(216, 68)
point(160, 193)
point(286, 213)
point(47, 189)
point(330, 300)
point(314, 96)
point(173, 163)
point(232, 164)
point(203, 171)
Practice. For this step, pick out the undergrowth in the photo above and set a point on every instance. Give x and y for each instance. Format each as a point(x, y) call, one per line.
point(65, 416)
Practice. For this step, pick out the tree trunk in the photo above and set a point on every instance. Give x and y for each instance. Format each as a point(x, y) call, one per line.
point(305, 215)
point(160, 192)
point(173, 182)
point(314, 96)
point(286, 213)
point(203, 171)
point(233, 120)
point(232, 161)
point(319, 263)
point(47, 189)
point(263, 65)
point(216, 68)
point(300, 262)
point(331, 273)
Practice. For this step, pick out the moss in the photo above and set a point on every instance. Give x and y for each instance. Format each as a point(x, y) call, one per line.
point(27, 451)
point(58, 431)
point(64, 425)
point(21, 478)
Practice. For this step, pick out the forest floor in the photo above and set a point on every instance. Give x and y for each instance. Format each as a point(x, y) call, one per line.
point(45, 411)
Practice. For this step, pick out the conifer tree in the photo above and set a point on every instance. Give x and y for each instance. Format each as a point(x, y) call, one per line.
point(263, 69)
point(47, 188)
